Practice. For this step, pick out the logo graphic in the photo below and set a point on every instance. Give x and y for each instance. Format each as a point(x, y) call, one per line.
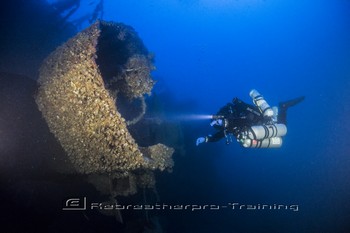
point(78, 203)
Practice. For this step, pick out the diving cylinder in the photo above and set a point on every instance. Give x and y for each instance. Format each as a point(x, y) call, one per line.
point(275, 142)
point(261, 103)
point(259, 132)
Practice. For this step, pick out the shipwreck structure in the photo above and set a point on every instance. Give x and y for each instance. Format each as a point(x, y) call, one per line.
point(79, 87)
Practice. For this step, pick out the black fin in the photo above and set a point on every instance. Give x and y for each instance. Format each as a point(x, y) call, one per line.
point(290, 103)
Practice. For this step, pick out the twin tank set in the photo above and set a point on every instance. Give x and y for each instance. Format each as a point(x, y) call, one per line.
point(267, 135)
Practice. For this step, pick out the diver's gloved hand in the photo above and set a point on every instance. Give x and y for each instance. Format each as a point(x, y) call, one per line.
point(200, 140)
point(218, 122)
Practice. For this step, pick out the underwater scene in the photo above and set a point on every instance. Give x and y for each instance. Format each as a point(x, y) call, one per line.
point(175, 116)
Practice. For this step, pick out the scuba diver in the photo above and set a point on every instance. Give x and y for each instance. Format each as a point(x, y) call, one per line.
point(254, 126)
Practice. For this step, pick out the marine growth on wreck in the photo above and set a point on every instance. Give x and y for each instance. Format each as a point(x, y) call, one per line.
point(79, 85)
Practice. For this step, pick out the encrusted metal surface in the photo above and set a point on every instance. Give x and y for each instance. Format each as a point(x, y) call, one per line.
point(81, 112)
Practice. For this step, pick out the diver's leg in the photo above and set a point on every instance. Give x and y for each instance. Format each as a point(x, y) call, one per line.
point(282, 115)
point(283, 107)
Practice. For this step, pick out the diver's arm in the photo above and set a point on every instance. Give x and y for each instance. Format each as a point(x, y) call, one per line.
point(210, 138)
point(216, 137)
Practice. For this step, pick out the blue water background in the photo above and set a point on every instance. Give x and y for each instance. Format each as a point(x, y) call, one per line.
point(208, 52)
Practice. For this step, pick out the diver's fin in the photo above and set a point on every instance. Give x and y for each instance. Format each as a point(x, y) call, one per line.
point(290, 103)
